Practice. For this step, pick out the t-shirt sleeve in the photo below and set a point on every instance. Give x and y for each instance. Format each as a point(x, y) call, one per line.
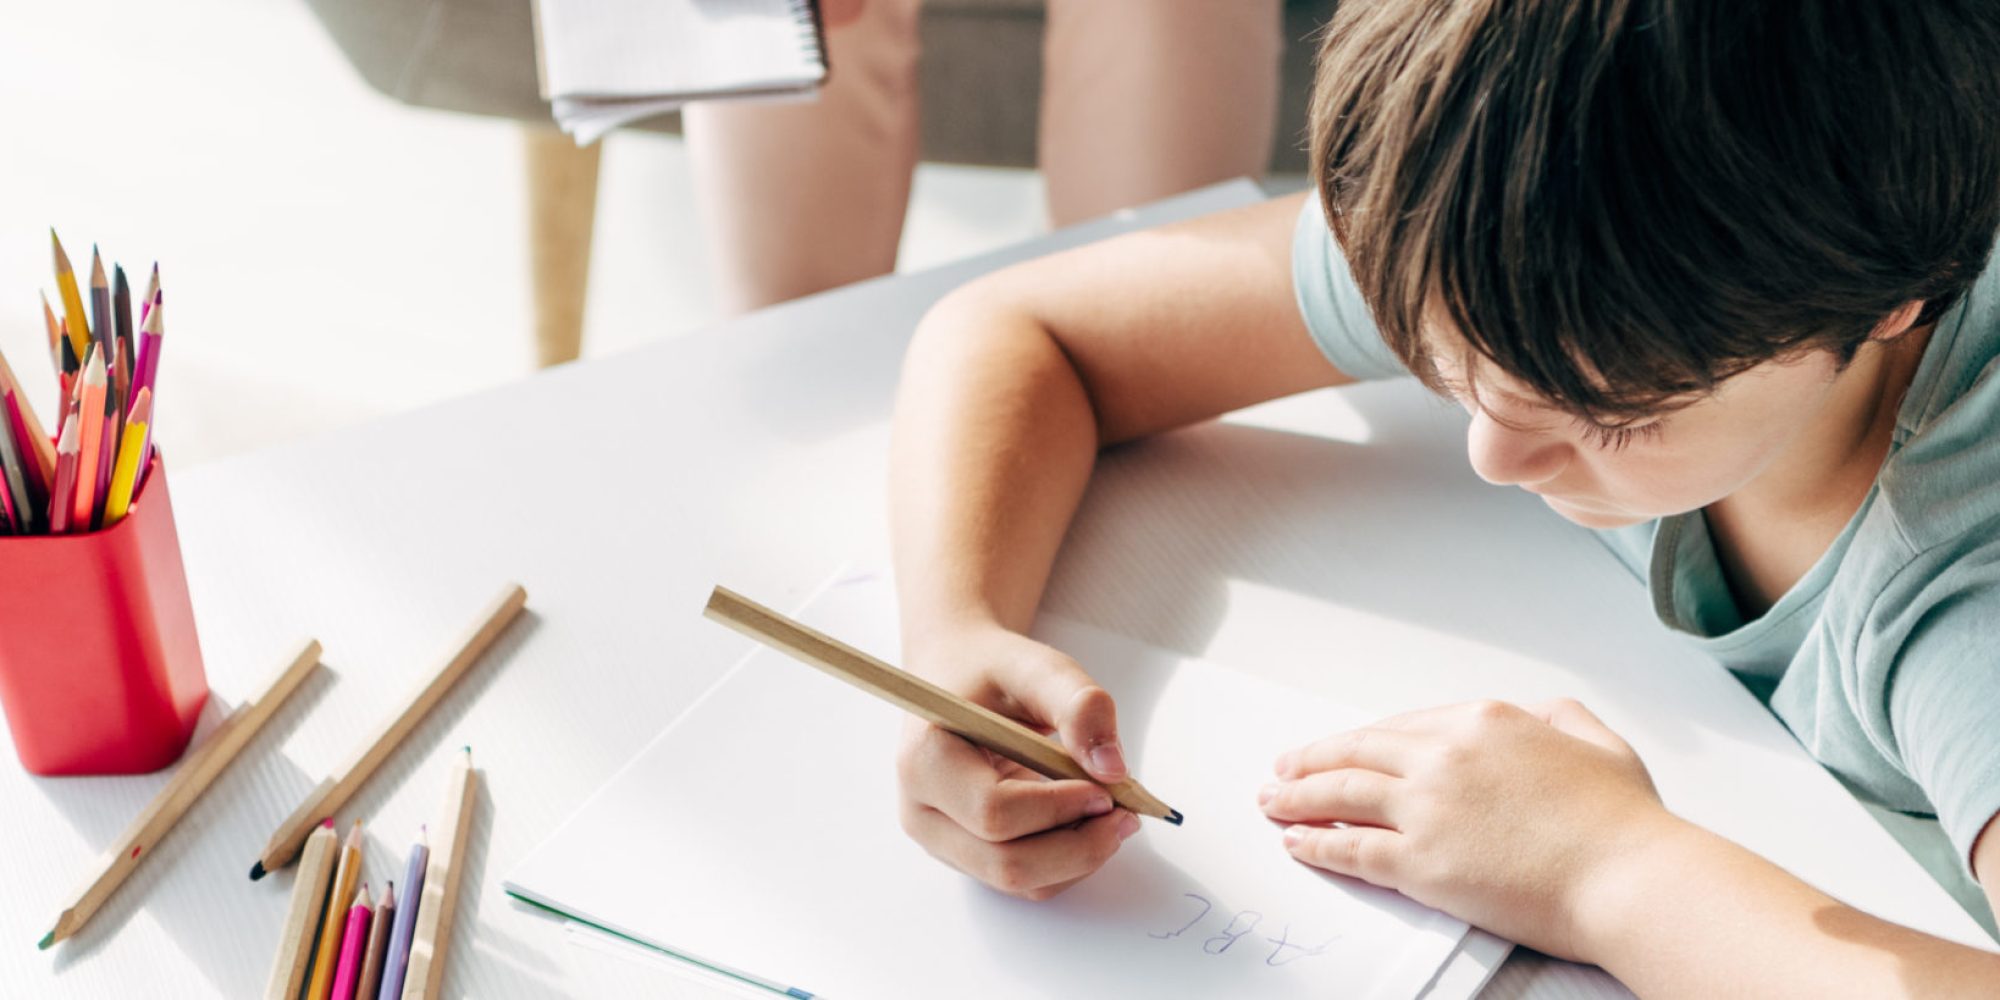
point(1332, 305)
point(1943, 698)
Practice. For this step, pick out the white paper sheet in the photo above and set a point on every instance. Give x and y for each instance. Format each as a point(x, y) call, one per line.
point(759, 835)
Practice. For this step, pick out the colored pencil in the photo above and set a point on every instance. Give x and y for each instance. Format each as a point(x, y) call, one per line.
point(150, 340)
point(193, 777)
point(333, 792)
point(377, 949)
point(79, 330)
point(319, 984)
point(107, 450)
point(438, 905)
point(123, 332)
point(65, 482)
point(100, 303)
point(129, 450)
point(71, 366)
point(977, 724)
point(353, 947)
point(91, 416)
point(396, 965)
point(37, 447)
point(152, 293)
point(8, 524)
point(309, 892)
point(55, 333)
point(22, 504)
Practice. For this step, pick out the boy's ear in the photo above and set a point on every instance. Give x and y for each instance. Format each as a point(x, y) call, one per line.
point(1899, 322)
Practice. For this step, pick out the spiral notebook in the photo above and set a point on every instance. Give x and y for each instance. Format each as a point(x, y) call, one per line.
point(607, 63)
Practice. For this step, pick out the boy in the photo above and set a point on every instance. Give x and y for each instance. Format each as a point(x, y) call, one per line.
point(1707, 276)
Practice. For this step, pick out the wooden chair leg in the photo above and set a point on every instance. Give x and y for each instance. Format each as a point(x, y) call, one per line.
point(562, 210)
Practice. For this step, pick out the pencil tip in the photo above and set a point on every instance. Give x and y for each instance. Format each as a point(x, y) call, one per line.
point(47, 940)
point(1174, 816)
point(256, 871)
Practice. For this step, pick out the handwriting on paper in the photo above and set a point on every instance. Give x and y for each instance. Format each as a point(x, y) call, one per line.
point(1219, 931)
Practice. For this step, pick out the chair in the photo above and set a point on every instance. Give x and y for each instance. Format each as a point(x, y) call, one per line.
point(980, 76)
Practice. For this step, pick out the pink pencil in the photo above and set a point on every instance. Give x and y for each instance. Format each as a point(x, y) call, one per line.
point(65, 484)
point(353, 948)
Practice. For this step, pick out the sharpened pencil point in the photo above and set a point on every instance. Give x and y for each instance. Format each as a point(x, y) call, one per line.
point(47, 940)
point(1175, 817)
point(256, 871)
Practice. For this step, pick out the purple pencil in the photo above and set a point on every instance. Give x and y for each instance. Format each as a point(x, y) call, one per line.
point(398, 962)
point(148, 371)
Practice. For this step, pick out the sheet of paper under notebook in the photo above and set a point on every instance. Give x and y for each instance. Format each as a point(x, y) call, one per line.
point(606, 63)
point(758, 835)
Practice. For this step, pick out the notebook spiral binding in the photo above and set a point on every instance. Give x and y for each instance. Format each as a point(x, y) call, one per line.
point(806, 12)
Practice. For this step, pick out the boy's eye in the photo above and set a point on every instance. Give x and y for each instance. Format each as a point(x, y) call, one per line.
point(1616, 438)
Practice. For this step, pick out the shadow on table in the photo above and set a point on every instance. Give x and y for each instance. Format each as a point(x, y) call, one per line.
point(1398, 528)
point(192, 881)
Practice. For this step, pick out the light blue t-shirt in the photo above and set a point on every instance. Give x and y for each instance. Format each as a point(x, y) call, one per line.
point(1884, 660)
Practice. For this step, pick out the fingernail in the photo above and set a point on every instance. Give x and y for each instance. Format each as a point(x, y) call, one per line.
point(1108, 760)
point(1128, 825)
point(1293, 836)
point(1099, 805)
point(1266, 793)
point(1284, 764)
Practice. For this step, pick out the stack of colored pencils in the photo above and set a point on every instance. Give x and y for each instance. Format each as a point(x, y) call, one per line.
point(85, 476)
point(337, 946)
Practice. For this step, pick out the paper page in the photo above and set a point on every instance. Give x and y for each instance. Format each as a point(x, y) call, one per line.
point(759, 835)
point(676, 48)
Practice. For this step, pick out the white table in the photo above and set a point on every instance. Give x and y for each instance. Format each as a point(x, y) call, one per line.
point(618, 491)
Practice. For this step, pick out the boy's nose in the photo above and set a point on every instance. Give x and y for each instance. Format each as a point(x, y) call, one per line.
point(1507, 456)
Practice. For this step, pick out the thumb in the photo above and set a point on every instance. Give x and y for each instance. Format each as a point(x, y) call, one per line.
point(1058, 693)
point(1569, 716)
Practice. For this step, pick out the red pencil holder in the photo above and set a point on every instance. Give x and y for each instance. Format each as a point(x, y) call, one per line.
point(100, 670)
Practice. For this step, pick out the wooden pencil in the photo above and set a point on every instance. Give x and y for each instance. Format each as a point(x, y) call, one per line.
point(333, 922)
point(152, 293)
point(16, 474)
point(146, 371)
point(122, 333)
point(396, 964)
point(976, 723)
point(91, 416)
point(353, 946)
point(330, 794)
point(187, 785)
point(377, 949)
point(424, 979)
point(100, 304)
point(55, 333)
point(40, 447)
point(309, 891)
point(72, 300)
point(65, 481)
point(126, 474)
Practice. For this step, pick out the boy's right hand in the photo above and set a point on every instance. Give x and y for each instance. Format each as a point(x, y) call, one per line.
point(993, 819)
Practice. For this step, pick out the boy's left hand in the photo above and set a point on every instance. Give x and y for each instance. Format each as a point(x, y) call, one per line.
point(1508, 818)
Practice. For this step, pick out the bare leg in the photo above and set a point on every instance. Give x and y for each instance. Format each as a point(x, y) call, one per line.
point(798, 198)
point(1146, 98)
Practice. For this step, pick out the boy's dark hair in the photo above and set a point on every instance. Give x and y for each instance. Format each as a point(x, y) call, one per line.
point(1621, 202)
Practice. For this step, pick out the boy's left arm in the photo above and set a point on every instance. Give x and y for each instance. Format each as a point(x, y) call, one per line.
point(1541, 825)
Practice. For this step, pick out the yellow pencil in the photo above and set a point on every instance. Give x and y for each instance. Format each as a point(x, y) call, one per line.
point(320, 983)
point(130, 448)
point(72, 299)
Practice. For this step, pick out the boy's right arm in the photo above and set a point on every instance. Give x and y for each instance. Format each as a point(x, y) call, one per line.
point(1011, 385)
